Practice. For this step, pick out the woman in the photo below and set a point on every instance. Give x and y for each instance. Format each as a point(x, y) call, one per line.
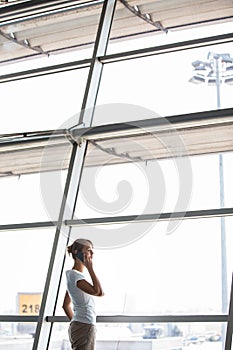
point(79, 292)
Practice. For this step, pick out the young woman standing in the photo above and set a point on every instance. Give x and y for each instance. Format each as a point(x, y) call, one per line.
point(79, 294)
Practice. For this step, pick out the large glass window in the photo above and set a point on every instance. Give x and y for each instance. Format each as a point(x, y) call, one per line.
point(156, 267)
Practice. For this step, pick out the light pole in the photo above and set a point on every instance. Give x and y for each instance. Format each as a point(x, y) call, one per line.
point(217, 70)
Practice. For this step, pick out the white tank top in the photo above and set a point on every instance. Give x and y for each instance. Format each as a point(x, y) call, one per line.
point(83, 303)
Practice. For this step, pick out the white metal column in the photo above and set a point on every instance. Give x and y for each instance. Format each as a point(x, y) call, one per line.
point(51, 289)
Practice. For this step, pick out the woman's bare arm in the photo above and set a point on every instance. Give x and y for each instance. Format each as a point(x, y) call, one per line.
point(67, 306)
point(95, 288)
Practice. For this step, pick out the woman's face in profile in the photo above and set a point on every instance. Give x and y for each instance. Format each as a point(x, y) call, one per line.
point(88, 250)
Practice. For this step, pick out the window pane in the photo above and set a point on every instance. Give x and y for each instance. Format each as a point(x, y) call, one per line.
point(13, 336)
point(207, 185)
point(130, 32)
point(66, 34)
point(31, 198)
point(161, 85)
point(143, 336)
point(42, 103)
point(181, 271)
point(26, 255)
point(59, 337)
point(152, 187)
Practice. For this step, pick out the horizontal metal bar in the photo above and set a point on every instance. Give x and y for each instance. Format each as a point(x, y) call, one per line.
point(30, 140)
point(36, 72)
point(173, 47)
point(124, 318)
point(32, 134)
point(138, 127)
point(135, 127)
point(28, 225)
point(193, 214)
point(149, 318)
point(18, 318)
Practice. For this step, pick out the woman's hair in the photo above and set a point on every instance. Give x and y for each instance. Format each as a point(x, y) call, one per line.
point(77, 246)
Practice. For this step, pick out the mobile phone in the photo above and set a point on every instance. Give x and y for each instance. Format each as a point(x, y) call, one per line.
point(80, 256)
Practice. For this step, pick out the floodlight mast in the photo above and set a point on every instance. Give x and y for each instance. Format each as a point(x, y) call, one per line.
point(216, 72)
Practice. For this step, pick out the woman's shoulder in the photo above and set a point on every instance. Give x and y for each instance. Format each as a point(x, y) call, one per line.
point(73, 273)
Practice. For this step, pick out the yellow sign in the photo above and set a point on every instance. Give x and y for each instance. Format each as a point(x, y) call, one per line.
point(29, 303)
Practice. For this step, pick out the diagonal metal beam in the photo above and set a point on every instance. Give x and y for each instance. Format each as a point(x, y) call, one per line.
point(57, 261)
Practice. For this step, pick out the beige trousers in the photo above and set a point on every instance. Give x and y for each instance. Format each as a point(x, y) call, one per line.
point(82, 336)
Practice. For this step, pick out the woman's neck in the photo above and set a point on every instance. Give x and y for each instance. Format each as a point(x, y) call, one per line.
point(78, 266)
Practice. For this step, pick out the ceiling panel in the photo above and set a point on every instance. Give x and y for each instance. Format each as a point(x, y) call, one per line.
point(34, 28)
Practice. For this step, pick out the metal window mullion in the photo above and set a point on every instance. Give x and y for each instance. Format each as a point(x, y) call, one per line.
point(194, 214)
point(56, 265)
point(229, 332)
point(215, 318)
point(143, 126)
point(168, 48)
point(28, 226)
point(37, 72)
